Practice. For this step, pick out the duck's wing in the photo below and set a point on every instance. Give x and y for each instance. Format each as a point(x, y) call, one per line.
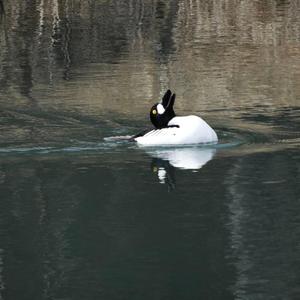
point(164, 136)
point(141, 133)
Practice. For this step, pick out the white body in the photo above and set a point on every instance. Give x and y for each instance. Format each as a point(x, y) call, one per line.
point(191, 130)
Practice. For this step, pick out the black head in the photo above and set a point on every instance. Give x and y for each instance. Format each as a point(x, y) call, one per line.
point(161, 113)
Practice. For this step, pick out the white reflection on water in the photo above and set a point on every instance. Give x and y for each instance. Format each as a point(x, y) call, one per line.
point(184, 158)
point(187, 158)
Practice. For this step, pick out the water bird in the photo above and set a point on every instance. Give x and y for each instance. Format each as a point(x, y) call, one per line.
point(173, 130)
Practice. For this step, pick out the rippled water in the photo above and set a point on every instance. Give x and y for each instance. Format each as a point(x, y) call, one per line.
point(86, 214)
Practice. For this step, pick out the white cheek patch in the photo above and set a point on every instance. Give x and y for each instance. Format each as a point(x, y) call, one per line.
point(160, 109)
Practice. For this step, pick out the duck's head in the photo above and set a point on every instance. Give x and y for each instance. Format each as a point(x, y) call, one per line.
point(161, 113)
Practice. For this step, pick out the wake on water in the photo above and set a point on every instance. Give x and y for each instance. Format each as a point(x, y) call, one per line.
point(228, 138)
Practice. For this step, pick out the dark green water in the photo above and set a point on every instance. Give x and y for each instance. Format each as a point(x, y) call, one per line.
point(86, 216)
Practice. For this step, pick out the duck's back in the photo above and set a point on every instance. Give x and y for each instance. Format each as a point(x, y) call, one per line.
point(191, 130)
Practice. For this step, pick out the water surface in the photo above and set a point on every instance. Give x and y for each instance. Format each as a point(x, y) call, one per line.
point(85, 215)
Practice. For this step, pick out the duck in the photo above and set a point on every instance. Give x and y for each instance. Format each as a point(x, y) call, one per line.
point(170, 129)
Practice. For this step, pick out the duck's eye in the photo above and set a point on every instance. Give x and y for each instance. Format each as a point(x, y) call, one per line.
point(154, 112)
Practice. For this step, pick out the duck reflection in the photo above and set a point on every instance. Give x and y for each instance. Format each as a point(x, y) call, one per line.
point(165, 172)
point(166, 160)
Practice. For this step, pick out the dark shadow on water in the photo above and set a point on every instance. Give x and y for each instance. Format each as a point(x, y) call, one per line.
point(95, 234)
point(263, 222)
